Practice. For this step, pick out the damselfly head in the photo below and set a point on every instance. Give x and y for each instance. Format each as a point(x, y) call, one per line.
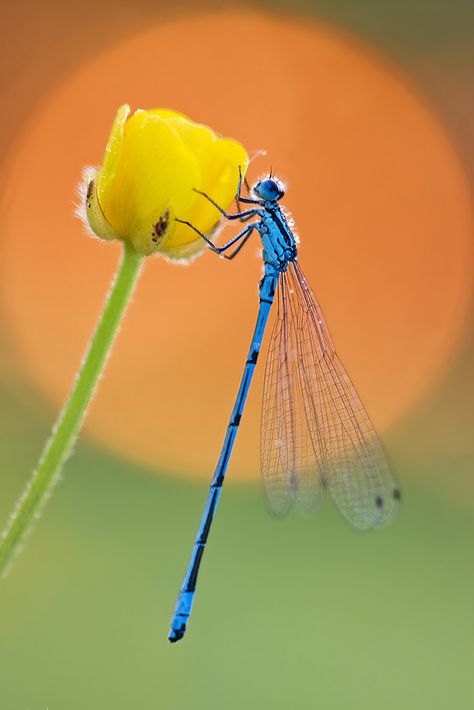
point(269, 189)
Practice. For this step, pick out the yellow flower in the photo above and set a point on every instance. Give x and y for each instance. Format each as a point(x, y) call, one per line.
point(152, 162)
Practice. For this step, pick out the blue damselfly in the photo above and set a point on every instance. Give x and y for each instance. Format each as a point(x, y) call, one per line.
point(315, 432)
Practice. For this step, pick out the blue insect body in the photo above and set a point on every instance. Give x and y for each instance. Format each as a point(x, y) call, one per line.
point(315, 432)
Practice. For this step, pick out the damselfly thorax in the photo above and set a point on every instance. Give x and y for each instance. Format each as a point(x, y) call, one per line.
point(279, 244)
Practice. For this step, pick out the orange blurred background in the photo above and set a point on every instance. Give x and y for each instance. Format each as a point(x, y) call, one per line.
point(366, 110)
point(379, 196)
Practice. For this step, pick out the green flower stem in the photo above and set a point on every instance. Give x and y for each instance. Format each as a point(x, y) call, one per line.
point(66, 429)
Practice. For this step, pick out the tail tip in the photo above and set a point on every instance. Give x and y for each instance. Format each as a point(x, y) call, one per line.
point(176, 634)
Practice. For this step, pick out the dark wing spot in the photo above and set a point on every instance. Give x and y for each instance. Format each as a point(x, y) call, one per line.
point(379, 502)
point(161, 226)
point(396, 494)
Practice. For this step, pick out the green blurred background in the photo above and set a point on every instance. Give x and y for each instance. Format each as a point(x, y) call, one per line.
point(295, 613)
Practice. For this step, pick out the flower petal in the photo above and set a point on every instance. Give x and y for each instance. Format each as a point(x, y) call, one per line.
point(219, 160)
point(153, 181)
point(93, 212)
point(113, 155)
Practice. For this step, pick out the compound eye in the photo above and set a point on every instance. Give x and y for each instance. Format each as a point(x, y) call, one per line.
point(279, 191)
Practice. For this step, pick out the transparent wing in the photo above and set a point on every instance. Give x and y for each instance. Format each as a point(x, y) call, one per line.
point(350, 458)
point(289, 464)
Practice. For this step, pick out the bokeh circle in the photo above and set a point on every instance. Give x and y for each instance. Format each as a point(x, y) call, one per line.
point(376, 189)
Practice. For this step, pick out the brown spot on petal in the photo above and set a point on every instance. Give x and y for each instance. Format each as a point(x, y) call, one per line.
point(90, 188)
point(161, 226)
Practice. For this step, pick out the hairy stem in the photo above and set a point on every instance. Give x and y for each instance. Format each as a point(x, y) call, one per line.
point(58, 447)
